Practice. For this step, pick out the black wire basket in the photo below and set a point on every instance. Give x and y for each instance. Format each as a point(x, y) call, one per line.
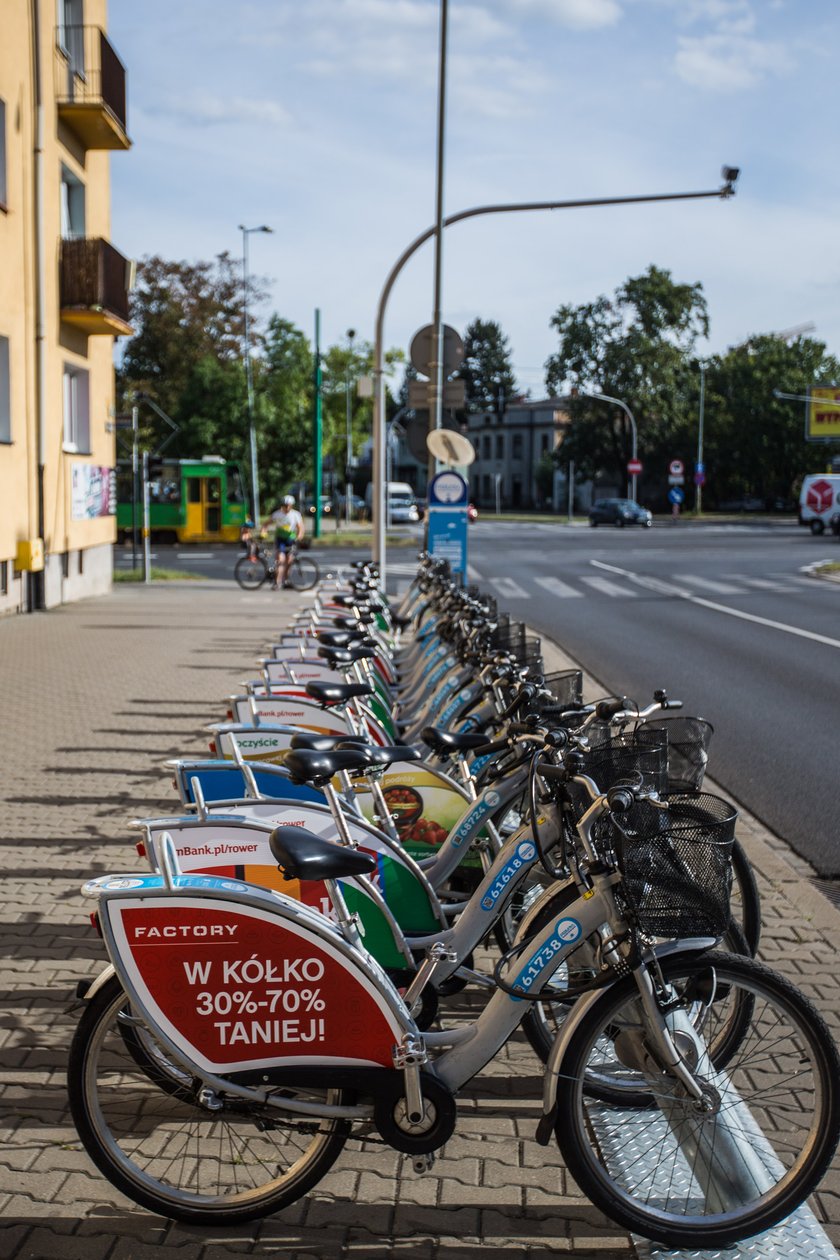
point(677, 866)
point(688, 750)
point(639, 757)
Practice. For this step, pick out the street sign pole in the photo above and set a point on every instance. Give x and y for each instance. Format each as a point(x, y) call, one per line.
point(436, 373)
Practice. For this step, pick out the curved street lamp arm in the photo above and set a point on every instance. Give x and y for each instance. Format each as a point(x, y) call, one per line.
point(726, 191)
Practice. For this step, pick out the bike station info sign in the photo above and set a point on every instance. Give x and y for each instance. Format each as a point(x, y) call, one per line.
point(447, 527)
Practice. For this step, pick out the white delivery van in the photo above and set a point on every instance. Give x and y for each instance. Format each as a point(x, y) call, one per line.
point(819, 501)
point(401, 502)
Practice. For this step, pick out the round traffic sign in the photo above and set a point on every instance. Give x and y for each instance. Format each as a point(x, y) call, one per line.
point(634, 467)
point(675, 495)
point(676, 468)
point(699, 478)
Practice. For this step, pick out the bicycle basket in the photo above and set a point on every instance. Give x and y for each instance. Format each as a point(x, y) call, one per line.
point(677, 865)
point(566, 688)
point(626, 756)
point(688, 750)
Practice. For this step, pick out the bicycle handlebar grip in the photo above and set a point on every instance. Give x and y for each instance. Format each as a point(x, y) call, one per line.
point(489, 750)
point(559, 773)
point(673, 704)
point(620, 799)
point(525, 693)
point(608, 708)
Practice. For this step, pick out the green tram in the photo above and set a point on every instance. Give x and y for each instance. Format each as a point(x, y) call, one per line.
point(190, 500)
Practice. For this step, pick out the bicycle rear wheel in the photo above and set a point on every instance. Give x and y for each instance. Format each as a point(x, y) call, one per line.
point(250, 572)
point(303, 573)
point(707, 1175)
point(139, 1116)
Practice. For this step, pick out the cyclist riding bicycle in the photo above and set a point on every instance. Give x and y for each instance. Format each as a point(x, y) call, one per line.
point(288, 531)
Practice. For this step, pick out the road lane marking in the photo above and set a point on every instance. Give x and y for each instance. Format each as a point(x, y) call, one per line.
point(641, 580)
point(195, 555)
point(719, 588)
point(561, 589)
point(764, 584)
point(508, 589)
point(473, 574)
point(606, 587)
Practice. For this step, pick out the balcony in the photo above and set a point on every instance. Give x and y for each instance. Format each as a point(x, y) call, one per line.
point(93, 286)
point(90, 87)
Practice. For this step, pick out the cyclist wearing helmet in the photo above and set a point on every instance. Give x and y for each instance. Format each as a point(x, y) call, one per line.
point(288, 531)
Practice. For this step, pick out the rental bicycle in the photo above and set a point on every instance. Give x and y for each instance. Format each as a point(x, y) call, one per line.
point(255, 569)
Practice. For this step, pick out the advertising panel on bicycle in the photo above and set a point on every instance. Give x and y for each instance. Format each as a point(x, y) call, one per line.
point(236, 987)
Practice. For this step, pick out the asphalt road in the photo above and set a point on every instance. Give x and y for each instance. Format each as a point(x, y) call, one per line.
point(721, 616)
point(725, 619)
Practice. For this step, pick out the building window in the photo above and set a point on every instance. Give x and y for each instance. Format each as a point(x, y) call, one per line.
point(72, 206)
point(71, 20)
point(544, 440)
point(487, 441)
point(517, 446)
point(5, 393)
point(76, 409)
point(4, 577)
point(500, 446)
point(2, 155)
point(487, 491)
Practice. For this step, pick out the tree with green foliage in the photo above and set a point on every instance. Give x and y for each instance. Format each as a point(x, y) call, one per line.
point(284, 389)
point(635, 346)
point(754, 443)
point(486, 369)
point(186, 353)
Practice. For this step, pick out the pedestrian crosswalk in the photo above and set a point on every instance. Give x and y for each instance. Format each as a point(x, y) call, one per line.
point(616, 586)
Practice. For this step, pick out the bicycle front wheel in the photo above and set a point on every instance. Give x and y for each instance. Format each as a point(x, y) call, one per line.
point(250, 572)
point(138, 1114)
point(303, 573)
point(708, 1174)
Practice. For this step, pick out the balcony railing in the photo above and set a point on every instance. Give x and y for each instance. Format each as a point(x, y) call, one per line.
point(94, 286)
point(90, 87)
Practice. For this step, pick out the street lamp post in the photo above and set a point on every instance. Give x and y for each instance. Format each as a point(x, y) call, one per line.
point(631, 489)
point(727, 189)
point(698, 467)
point(249, 376)
point(351, 333)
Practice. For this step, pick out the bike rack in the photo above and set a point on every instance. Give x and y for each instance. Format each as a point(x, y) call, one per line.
point(800, 1237)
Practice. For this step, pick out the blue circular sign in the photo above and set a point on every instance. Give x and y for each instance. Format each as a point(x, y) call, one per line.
point(675, 495)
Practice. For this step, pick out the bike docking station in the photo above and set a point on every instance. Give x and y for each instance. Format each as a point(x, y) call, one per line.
point(446, 530)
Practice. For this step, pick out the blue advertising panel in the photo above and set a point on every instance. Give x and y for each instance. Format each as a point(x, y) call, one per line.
point(446, 536)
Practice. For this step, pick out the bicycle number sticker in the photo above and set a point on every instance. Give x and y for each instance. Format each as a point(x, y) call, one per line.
point(237, 987)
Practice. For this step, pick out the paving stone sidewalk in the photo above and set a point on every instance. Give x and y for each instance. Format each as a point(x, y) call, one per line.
point(97, 696)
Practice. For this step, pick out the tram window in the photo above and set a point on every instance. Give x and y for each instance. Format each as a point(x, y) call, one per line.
point(235, 490)
point(193, 489)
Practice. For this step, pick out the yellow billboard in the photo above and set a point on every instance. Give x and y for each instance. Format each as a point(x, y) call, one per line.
point(822, 415)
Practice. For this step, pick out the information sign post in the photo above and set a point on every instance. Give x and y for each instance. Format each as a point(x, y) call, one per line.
point(447, 523)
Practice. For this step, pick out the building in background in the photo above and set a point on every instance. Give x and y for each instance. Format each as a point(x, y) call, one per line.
point(509, 448)
point(63, 299)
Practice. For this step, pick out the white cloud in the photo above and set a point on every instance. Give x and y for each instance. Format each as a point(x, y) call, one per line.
point(580, 15)
point(203, 110)
point(728, 62)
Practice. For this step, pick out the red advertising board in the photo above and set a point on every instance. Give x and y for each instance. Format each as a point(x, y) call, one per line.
point(239, 987)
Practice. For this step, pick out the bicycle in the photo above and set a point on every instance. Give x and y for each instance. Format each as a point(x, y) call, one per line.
point(265, 1026)
point(255, 569)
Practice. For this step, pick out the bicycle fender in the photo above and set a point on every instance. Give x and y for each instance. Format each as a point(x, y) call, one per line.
point(100, 981)
point(553, 1067)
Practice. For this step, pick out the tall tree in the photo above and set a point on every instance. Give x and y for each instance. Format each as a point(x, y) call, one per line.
point(284, 394)
point(754, 443)
point(486, 369)
point(186, 352)
point(635, 346)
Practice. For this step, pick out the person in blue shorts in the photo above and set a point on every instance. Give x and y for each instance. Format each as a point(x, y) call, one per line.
point(288, 531)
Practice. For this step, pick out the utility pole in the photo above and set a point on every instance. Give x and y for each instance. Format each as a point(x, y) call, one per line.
point(249, 376)
point(316, 434)
point(436, 365)
point(351, 333)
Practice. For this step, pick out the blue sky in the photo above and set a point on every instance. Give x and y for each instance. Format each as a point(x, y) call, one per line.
point(318, 117)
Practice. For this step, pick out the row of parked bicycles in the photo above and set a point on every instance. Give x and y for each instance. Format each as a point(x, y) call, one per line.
point(402, 805)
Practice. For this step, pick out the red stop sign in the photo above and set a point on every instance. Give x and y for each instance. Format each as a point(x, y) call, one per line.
point(819, 496)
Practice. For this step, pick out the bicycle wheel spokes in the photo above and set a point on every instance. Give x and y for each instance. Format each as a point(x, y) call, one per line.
point(139, 1117)
point(303, 573)
point(706, 1175)
point(250, 572)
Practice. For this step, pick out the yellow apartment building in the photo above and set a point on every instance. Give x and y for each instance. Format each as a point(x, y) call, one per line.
point(63, 299)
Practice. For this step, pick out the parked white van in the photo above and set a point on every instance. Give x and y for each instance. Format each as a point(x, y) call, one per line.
point(819, 501)
point(402, 504)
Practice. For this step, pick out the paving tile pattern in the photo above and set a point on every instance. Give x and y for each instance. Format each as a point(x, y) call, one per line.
point(97, 696)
